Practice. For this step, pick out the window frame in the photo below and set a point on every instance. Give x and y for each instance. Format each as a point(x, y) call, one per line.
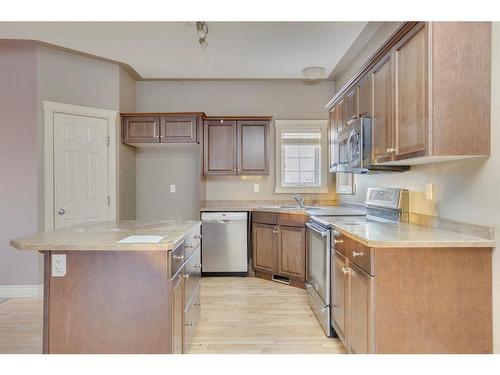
point(290, 125)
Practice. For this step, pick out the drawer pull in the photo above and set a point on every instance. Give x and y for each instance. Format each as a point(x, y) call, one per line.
point(197, 304)
point(178, 257)
point(197, 266)
point(356, 254)
point(189, 324)
point(345, 270)
point(336, 242)
point(197, 237)
point(186, 276)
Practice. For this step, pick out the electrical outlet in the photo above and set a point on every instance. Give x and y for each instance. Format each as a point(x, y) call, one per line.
point(256, 188)
point(172, 188)
point(58, 265)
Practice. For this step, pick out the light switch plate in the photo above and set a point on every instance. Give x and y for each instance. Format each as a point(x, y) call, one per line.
point(256, 188)
point(58, 265)
point(429, 191)
point(172, 188)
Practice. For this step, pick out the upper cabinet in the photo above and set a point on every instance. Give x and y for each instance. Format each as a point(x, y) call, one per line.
point(141, 129)
point(160, 128)
point(236, 147)
point(179, 129)
point(427, 91)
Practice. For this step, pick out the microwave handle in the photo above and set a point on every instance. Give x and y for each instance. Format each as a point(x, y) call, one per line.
point(314, 229)
point(349, 148)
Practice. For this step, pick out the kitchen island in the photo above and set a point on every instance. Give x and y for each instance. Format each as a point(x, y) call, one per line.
point(106, 295)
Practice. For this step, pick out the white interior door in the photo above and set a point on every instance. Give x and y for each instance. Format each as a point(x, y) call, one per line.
point(81, 169)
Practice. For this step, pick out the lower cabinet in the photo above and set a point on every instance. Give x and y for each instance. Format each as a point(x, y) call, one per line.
point(360, 311)
point(177, 313)
point(279, 247)
point(185, 299)
point(291, 256)
point(339, 295)
point(353, 304)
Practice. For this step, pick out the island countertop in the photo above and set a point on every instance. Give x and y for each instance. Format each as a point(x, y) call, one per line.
point(104, 236)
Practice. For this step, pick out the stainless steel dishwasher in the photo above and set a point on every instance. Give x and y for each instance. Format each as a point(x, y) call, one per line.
point(224, 247)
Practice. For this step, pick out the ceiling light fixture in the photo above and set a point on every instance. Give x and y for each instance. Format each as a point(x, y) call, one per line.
point(314, 72)
point(202, 29)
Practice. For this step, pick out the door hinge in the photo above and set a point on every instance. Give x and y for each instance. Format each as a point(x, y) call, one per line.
point(108, 140)
point(109, 200)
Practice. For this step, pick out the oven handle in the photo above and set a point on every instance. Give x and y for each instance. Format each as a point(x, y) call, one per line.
point(315, 229)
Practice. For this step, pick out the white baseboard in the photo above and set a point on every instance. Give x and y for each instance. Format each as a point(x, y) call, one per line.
point(11, 291)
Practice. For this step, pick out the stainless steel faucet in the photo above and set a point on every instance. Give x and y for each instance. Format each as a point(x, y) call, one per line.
point(300, 199)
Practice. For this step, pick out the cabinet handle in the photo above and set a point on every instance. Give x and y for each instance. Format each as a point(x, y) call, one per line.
point(234, 169)
point(357, 254)
point(336, 242)
point(354, 117)
point(238, 170)
point(189, 324)
point(391, 150)
point(197, 237)
point(186, 276)
point(345, 270)
point(178, 257)
point(197, 304)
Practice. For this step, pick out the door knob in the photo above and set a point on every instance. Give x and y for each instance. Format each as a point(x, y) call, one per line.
point(61, 211)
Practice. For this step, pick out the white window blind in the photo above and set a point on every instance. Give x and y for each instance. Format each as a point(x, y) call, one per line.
point(301, 157)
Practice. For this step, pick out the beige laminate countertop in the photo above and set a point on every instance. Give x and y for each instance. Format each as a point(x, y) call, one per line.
point(338, 210)
point(104, 236)
point(381, 234)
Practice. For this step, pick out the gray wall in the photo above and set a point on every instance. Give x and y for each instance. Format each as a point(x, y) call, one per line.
point(285, 99)
point(30, 74)
point(18, 161)
point(157, 168)
point(126, 154)
point(464, 190)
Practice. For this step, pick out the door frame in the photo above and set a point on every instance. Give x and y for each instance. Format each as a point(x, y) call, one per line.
point(50, 109)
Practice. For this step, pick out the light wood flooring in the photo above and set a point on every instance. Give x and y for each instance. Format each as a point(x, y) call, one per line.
point(238, 315)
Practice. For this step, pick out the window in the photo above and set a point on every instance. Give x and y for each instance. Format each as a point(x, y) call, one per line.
point(301, 156)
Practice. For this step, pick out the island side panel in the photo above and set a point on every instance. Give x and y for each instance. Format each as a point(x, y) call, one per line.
point(108, 302)
point(433, 300)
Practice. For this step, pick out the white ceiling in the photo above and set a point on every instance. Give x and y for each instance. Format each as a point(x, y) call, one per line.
point(170, 50)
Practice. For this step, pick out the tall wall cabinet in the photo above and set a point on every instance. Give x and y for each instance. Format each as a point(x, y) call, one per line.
point(427, 92)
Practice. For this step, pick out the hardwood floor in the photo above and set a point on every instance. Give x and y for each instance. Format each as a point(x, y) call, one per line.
point(21, 325)
point(251, 315)
point(238, 315)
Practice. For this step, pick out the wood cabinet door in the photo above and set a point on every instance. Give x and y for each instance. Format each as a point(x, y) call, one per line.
point(360, 312)
point(364, 96)
point(411, 120)
point(264, 247)
point(178, 129)
point(332, 136)
point(382, 128)
point(340, 117)
point(252, 148)
point(291, 252)
point(219, 149)
point(144, 129)
point(349, 112)
point(177, 313)
point(339, 289)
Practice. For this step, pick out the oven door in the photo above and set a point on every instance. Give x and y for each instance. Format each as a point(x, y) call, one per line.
point(318, 261)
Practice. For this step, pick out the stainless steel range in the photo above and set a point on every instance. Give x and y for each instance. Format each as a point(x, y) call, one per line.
point(382, 204)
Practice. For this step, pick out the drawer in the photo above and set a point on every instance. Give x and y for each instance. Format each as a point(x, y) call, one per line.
point(360, 255)
point(176, 259)
point(191, 318)
point(293, 220)
point(339, 242)
point(192, 241)
point(192, 275)
point(264, 217)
